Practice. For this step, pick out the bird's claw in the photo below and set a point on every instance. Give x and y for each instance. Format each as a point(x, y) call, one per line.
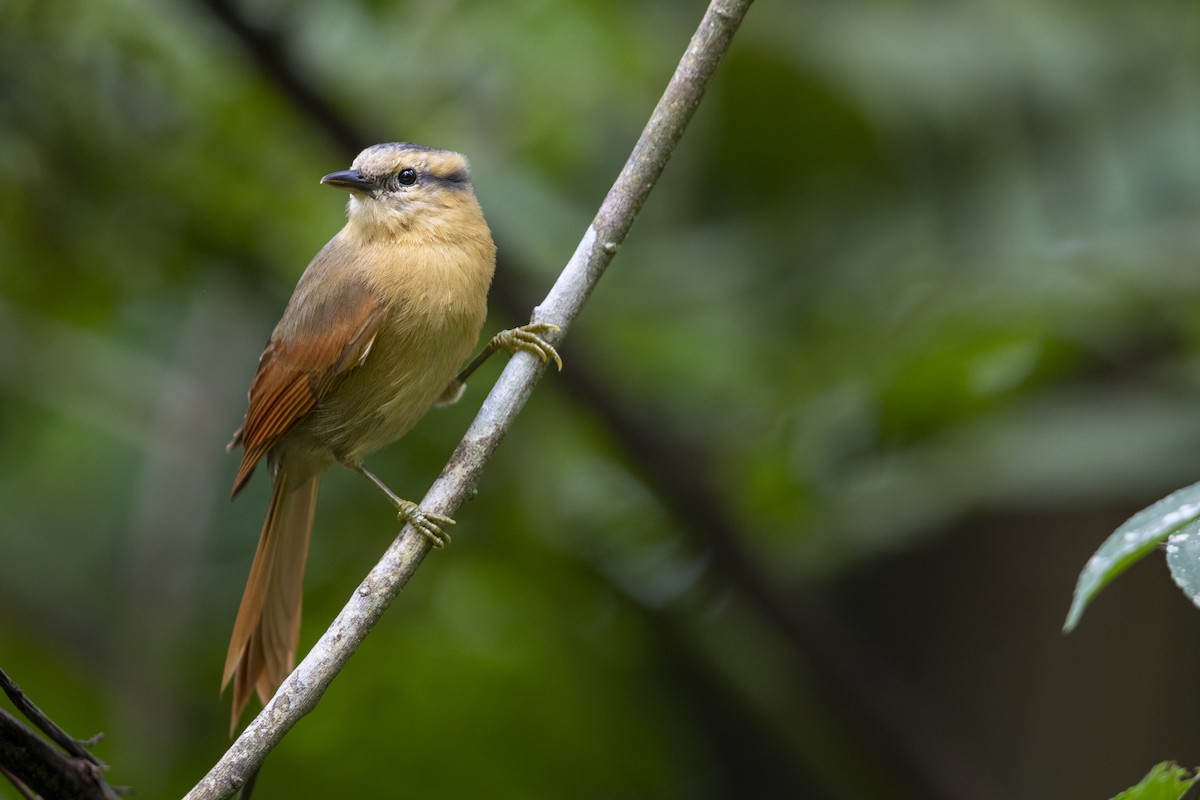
point(529, 338)
point(426, 523)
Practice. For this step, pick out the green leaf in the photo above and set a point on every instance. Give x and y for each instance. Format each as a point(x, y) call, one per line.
point(1130, 542)
point(1167, 781)
point(1183, 557)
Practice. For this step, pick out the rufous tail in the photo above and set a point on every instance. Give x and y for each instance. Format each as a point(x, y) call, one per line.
point(262, 650)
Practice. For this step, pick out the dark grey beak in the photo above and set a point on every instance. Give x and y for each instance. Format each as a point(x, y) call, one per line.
point(350, 179)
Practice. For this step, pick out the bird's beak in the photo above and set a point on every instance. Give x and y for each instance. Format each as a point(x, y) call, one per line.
point(350, 179)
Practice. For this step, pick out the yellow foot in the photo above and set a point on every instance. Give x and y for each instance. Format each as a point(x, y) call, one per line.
point(425, 523)
point(528, 338)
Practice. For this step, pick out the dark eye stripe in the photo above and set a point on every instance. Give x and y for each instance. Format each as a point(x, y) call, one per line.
point(458, 179)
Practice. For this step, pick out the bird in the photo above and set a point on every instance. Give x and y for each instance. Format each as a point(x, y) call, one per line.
point(371, 339)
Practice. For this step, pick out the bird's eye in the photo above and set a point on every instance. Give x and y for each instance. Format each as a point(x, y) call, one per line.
point(406, 177)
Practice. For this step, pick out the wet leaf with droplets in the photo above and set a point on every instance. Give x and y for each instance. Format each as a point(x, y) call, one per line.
point(1183, 557)
point(1130, 542)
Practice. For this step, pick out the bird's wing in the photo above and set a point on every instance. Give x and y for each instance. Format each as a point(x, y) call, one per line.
point(297, 370)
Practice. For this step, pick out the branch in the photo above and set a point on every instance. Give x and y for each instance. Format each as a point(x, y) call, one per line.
point(46, 725)
point(33, 765)
point(301, 691)
point(266, 48)
point(935, 764)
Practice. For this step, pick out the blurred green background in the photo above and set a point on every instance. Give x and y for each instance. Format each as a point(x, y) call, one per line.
point(909, 325)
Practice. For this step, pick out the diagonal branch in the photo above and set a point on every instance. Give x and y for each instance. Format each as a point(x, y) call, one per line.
point(887, 709)
point(35, 767)
point(303, 688)
point(266, 48)
point(46, 725)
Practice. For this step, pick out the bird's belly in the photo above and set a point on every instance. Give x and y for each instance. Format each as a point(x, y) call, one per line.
point(381, 400)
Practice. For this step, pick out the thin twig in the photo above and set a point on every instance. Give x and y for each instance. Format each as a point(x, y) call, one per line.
point(45, 770)
point(21, 788)
point(31, 712)
point(303, 688)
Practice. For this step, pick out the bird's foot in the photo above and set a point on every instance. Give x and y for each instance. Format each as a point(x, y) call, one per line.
point(528, 338)
point(426, 523)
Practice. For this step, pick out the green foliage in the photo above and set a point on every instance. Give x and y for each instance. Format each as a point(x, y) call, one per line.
point(1166, 781)
point(1183, 557)
point(1175, 517)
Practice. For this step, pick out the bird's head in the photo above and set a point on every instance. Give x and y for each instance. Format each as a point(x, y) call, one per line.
point(398, 188)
